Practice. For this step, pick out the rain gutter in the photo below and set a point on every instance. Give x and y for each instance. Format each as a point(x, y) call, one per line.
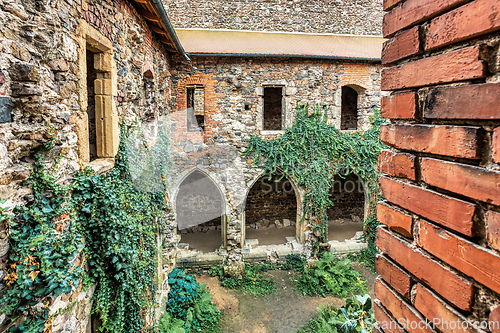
point(160, 10)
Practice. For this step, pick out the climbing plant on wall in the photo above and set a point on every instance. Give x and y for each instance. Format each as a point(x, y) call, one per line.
point(311, 152)
point(100, 219)
point(119, 223)
point(44, 249)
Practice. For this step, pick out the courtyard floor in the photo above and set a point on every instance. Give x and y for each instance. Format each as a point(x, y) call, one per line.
point(282, 312)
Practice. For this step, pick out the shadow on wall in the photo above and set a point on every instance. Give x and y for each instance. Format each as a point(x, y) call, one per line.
point(271, 210)
point(199, 209)
point(346, 216)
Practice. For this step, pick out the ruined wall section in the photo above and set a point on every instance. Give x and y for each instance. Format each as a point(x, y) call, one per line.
point(440, 240)
point(233, 112)
point(41, 89)
point(360, 17)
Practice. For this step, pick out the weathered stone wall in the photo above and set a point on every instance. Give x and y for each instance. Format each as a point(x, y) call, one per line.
point(272, 200)
point(232, 112)
point(441, 182)
point(42, 81)
point(360, 17)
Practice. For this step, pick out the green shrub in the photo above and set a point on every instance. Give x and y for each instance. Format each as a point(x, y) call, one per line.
point(356, 316)
point(252, 282)
point(295, 262)
point(168, 324)
point(330, 276)
point(189, 307)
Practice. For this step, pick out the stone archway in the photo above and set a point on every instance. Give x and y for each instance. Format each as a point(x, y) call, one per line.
point(199, 207)
point(272, 210)
point(347, 214)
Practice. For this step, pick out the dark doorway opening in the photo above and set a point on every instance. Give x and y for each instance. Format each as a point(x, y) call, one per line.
point(271, 210)
point(199, 209)
point(346, 216)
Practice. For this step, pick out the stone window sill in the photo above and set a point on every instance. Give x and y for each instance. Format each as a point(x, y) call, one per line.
point(272, 132)
point(101, 165)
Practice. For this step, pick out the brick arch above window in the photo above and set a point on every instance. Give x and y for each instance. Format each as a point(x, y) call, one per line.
point(210, 108)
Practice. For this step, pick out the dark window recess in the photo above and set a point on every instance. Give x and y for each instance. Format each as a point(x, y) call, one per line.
point(273, 109)
point(195, 108)
point(91, 77)
point(150, 104)
point(349, 115)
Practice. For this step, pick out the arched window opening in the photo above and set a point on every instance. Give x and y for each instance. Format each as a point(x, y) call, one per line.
point(271, 210)
point(150, 104)
point(199, 209)
point(349, 111)
point(346, 216)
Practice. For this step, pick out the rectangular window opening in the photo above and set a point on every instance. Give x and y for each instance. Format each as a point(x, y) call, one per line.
point(91, 77)
point(273, 108)
point(195, 108)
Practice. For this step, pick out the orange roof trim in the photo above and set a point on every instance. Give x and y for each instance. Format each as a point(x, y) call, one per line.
point(279, 44)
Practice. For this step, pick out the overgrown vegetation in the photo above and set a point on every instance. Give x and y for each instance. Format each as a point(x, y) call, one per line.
point(330, 276)
point(44, 254)
point(102, 220)
point(119, 223)
point(189, 306)
point(323, 277)
point(294, 262)
point(312, 152)
point(355, 317)
point(251, 281)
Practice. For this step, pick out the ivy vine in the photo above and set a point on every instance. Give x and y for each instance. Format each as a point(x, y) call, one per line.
point(120, 224)
point(44, 254)
point(99, 221)
point(311, 153)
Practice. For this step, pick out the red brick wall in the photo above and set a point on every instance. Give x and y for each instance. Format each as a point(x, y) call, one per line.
point(440, 244)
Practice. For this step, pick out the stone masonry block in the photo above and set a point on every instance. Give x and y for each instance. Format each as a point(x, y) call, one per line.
point(103, 87)
point(6, 107)
point(103, 62)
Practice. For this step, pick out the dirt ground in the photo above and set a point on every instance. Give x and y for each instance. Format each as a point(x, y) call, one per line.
point(211, 240)
point(282, 312)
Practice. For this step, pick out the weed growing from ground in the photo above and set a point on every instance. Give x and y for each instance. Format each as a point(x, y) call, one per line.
point(330, 276)
point(356, 316)
point(252, 282)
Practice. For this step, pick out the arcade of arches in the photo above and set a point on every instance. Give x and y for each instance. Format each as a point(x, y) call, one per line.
point(271, 211)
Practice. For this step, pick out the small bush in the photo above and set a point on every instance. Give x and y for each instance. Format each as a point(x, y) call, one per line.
point(295, 262)
point(356, 316)
point(189, 307)
point(330, 276)
point(252, 282)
